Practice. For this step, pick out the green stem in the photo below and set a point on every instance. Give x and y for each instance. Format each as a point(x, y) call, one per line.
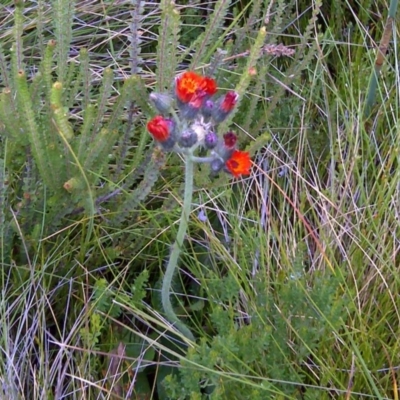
point(380, 58)
point(176, 249)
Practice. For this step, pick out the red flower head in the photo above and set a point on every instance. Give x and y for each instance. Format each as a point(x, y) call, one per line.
point(239, 163)
point(229, 102)
point(193, 89)
point(224, 106)
point(230, 140)
point(159, 127)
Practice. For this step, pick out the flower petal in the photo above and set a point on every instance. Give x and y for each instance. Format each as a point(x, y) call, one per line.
point(159, 128)
point(229, 101)
point(194, 89)
point(186, 86)
point(230, 140)
point(239, 163)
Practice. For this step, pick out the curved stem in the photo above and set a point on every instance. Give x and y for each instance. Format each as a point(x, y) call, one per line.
point(176, 249)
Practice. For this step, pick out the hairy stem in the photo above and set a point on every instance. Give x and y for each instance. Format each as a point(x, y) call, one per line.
point(176, 249)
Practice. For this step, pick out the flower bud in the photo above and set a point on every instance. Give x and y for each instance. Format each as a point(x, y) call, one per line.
point(207, 108)
point(161, 101)
point(200, 130)
point(227, 146)
point(74, 184)
point(224, 106)
point(230, 140)
point(216, 165)
point(188, 138)
point(168, 144)
point(187, 110)
point(210, 140)
point(160, 128)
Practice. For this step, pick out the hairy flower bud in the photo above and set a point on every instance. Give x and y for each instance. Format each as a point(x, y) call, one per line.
point(230, 140)
point(216, 165)
point(163, 131)
point(160, 128)
point(188, 138)
point(224, 106)
point(227, 146)
point(207, 108)
point(162, 102)
point(210, 140)
point(188, 112)
point(200, 130)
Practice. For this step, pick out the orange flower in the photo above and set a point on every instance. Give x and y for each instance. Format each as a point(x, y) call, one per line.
point(159, 128)
point(193, 89)
point(239, 163)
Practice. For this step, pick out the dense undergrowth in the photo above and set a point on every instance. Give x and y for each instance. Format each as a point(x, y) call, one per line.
point(289, 278)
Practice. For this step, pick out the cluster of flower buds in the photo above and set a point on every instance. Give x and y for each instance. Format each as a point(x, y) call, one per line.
point(194, 123)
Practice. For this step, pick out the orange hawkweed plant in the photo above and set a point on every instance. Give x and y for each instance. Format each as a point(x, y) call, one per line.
point(187, 121)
